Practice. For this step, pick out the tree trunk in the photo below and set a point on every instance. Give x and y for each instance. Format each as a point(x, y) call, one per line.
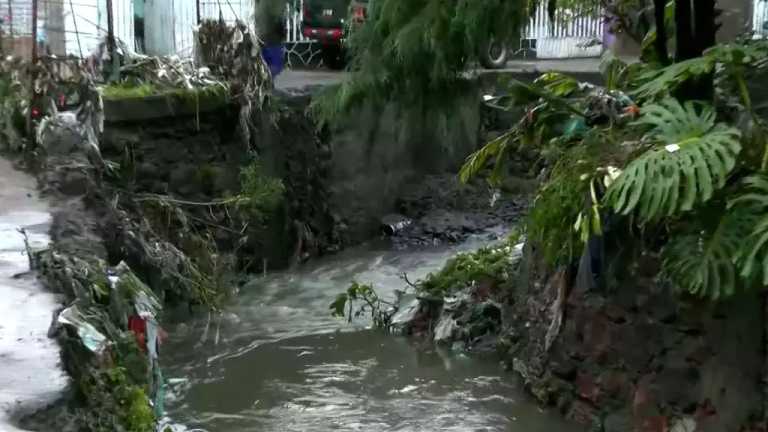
point(686, 45)
point(701, 18)
point(661, 31)
point(705, 24)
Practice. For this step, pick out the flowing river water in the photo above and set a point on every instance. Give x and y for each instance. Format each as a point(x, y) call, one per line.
point(277, 361)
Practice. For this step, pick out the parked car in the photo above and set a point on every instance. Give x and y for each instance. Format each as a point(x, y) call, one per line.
point(326, 21)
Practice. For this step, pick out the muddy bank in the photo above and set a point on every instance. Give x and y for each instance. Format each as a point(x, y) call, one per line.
point(607, 342)
point(619, 348)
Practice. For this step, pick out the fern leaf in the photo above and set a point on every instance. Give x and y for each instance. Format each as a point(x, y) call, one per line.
point(692, 159)
point(701, 261)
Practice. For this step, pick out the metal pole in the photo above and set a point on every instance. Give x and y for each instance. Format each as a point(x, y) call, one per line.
point(111, 45)
point(34, 31)
point(33, 73)
point(10, 26)
point(77, 33)
point(197, 10)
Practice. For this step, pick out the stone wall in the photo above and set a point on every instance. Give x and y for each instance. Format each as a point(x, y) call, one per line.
point(197, 158)
point(631, 355)
point(376, 153)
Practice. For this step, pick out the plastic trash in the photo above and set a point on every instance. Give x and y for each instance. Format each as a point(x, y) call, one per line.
point(394, 223)
point(274, 56)
point(90, 337)
point(444, 329)
point(408, 309)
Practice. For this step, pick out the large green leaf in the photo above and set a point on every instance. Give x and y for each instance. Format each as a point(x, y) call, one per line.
point(691, 158)
point(475, 162)
point(661, 82)
point(701, 260)
point(753, 257)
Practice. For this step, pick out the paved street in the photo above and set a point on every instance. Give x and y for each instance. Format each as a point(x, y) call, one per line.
point(297, 78)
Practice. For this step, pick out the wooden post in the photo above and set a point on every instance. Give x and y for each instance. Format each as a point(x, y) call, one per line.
point(114, 72)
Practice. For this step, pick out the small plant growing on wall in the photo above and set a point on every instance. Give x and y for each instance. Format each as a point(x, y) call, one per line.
point(261, 194)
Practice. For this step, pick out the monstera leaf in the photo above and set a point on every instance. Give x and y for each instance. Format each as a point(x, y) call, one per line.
point(702, 259)
point(753, 258)
point(660, 82)
point(691, 158)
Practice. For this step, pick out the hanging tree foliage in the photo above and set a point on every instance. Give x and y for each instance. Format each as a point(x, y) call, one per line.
point(417, 51)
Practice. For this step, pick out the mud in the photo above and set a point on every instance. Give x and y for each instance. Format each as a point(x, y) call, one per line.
point(444, 211)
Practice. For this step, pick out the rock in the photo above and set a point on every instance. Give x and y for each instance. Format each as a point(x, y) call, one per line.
point(582, 413)
point(563, 368)
point(618, 421)
point(678, 385)
point(184, 179)
point(614, 384)
point(149, 171)
point(74, 183)
point(686, 424)
point(587, 387)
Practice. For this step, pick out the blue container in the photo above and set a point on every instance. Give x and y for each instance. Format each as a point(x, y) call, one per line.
point(274, 55)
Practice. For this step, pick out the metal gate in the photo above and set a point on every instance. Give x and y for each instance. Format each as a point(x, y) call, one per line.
point(760, 18)
point(572, 34)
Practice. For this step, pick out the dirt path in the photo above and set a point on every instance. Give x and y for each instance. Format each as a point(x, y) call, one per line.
point(30, 370)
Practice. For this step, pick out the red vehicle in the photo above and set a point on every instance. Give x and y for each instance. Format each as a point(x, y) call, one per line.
point(326, 21)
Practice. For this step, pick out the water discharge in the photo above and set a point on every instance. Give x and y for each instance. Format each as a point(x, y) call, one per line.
point(277, 361)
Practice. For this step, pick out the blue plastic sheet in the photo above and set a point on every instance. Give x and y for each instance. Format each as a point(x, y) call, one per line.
point(274, 55)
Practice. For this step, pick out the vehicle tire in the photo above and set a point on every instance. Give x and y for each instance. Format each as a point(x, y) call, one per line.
point(494, 55)
point(333, 57)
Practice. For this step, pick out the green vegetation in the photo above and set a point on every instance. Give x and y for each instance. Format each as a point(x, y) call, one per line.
point(12, 120)
point(124, 90)
point(686, 174)
point(491, 264)
point(115, 402)
point(369, 304)
point(187, 97)
point(261, 194)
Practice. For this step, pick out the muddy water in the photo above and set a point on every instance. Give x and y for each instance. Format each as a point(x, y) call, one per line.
point(277, 361)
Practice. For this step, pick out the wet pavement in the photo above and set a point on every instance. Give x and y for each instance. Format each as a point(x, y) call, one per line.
point(30, 372)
